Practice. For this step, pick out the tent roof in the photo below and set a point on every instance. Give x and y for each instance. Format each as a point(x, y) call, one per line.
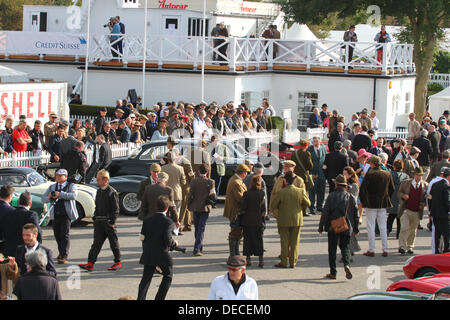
point(444, 94)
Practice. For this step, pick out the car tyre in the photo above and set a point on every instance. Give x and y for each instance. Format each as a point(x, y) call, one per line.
point(129, 204)
point(426, 272)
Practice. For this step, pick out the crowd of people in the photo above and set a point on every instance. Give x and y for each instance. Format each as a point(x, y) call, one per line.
point(385, 180)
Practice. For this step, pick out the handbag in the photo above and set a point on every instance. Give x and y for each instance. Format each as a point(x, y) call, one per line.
point(310, 182)
point(340, 225)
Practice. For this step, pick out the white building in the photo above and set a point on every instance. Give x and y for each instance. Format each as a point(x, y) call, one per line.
point(304, 73)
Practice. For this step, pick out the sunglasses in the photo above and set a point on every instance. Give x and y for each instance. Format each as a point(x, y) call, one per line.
point(233, 269)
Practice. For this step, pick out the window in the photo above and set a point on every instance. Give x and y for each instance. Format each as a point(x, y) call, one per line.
point(35, 179)
point(195, 27)
point(307, 101)
point(153, 153)
point(130, 4)
point(14, 181)
point(172, 23)
point(408, 102)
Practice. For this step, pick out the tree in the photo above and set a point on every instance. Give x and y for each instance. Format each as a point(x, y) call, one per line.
point(424, 22)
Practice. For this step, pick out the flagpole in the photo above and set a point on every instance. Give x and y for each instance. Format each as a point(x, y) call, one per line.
point(145, 55)
point(86, 62)
point(203, 50)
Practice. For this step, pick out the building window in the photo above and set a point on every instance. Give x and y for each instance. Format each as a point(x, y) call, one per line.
point(130, 4)
point(408, 102)
point(307, 101)
point(195, 27)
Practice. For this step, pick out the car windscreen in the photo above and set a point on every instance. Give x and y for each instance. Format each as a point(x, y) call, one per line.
point(14, 180)
point(35, 179)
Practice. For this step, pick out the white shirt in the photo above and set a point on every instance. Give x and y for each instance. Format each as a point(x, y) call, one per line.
point(199, 127)
point(28, 250)
point(221, 289)
point(375, 123)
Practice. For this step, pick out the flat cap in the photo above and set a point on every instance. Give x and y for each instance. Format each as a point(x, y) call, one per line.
point(290, 163)
point(304, 142)
point(119, 110)
point(340, 180)
point(242, 168)
point(155, 167)
point(61, 172)
point(236, 261)
point(248, 162)
point(419, 171)
point(114, 121)
point(375, 160)
point(163, 176)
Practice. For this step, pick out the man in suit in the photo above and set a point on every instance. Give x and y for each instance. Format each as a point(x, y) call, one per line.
point(156, 237)
point(53, 146)
point(50, 128)
point(436, 167)
point(105, 216)
point(413, 193)
point(314, 119)
point(318, 153)
point(426, 152)
point(435, 139)
point(125, 131)
point(375, 194)
point(185, 214)
point(6, 195)
point(347, 149)
point(31, 244)
point(151, 193)
point(74, 162)
point(380, 148)
point(221, 125)
point(337, 135)
point(66, 145)
point(334, 164)
point(350, 36)
point(154, 170)
point(99, 122)
point(177, 179)
point(280, 183)
point(102, 158)
point(303, 162)
point(198, 156)
point(440, 207)
point(233, 198)
point(37, 284)
point(288, 204)
point(362, 140)
point(324, 113)
point(201, 194)
point(14, 222)
point(63, 211)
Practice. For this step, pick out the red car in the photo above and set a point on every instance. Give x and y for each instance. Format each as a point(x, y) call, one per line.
point(426, 265)
point(425, 285)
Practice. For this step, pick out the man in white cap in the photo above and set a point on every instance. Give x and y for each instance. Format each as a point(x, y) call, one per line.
point(5, 141)
point(63, 211)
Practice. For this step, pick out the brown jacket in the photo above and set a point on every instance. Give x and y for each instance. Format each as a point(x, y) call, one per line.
point(177, 179)
point(201, 188)
point(7, 274)
point(405, 187)
point(302, 170)
point(298, 182)
point(152, 192)
point(376, 189)
point(234, 197)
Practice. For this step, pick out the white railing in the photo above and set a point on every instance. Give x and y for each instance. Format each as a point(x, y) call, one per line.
point(255, 52)
point(34, 159)
point(84, 118)
point(441, 78)
point(385, 133)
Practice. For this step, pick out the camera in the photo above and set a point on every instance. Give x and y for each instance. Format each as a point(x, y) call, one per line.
point(53, 194)
point(6, 260)
point(109, 24)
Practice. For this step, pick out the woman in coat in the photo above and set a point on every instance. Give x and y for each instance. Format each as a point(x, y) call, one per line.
point(353, 189)
point(398, 177)
point(253, 211)
point(161, 132)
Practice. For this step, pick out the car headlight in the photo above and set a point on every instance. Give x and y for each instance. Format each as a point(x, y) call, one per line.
point(408, 261)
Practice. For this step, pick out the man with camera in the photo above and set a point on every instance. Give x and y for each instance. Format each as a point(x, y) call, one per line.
point(156, 237)
point(63, 211)
point(115, 38)
point(381, 37)
point(350, 36)
point(105, 216)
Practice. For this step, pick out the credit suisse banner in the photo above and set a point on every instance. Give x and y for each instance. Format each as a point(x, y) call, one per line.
point(34, 43)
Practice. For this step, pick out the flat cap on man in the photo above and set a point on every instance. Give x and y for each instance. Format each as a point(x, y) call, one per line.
point(163, 176)
point(290, 163)
point(242, 168)
point(155, 167)
point(376, 160)
point(61, 172)
point(304, 142)
point(236, 261)
point(120, 110)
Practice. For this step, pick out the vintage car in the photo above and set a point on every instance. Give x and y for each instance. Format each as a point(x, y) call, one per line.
point(425, 285)
point(382, 295)
point(425, 265)
point(36, 205)
point(27, 179)
point(127, 187)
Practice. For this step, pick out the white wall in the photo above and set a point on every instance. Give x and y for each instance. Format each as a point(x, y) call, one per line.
point(56, 17)
point(395, 98)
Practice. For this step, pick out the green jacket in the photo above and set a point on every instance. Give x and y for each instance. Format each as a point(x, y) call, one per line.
point(305, 158)
point(289, 202)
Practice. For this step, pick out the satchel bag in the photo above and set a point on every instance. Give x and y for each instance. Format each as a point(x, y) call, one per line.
point(340, 225)
point(310, 182)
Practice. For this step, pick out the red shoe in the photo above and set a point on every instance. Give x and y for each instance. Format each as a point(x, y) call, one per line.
point(116, 266)
point(369, 254)
point(88, 266)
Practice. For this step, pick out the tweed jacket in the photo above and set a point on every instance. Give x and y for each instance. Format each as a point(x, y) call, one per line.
point(405, 187)
point(234, 197)
point(288, 204)
point(376, 189)
point(177, 179)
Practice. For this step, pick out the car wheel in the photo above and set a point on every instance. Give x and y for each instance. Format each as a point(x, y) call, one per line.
point(426, 272)
point(81, 215)
point(129, 204)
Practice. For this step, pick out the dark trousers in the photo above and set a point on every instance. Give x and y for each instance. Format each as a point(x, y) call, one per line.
point(116, 47)
point(343, 240)
point(103, 230)
point(441, 228)
point(200, 219)
point(350, 53)
point(317, 194)
point(217, 179)
point(61, 230)
point(147, 276)
point(390, 222)
point(216, 43)
point(331, 185)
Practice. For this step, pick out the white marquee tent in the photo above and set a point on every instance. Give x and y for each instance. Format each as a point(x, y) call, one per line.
point(439, 102)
